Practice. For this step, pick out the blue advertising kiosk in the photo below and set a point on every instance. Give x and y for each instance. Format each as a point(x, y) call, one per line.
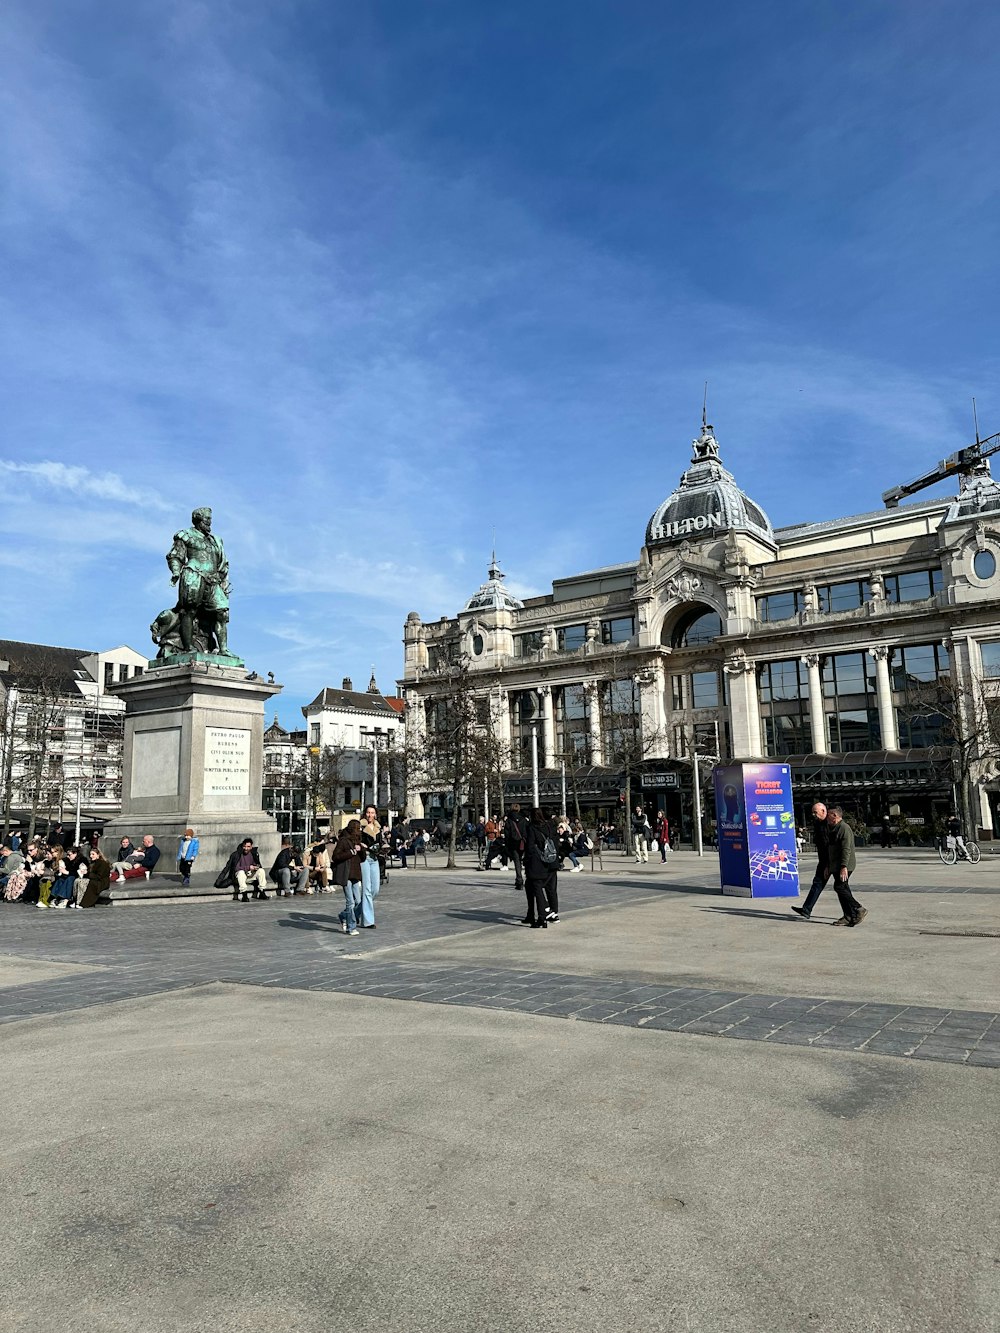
point(758, 857)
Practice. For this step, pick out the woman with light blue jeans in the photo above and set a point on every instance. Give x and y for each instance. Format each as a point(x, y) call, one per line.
point(347, 864)
point(371, 831)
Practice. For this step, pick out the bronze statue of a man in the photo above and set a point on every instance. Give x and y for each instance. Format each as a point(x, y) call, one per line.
point(199, 567)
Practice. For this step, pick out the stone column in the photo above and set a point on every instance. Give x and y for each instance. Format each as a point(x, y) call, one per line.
point(744, 708)
point(651, 710)
point(548, 757)
point(503, 716)
point(817, 719)
point(886, 713)
point(596, 740)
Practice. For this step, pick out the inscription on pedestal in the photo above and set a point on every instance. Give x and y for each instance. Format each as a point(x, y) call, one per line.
point(227, 761)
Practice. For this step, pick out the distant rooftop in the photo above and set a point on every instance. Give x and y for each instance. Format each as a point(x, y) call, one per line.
point(352, 701)
point(60, 668)
point(625, 567)
point(848, 520)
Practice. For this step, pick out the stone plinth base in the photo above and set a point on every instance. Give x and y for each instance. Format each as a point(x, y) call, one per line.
point(194, 758)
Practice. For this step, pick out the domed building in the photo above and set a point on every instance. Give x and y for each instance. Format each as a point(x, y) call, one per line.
point(854, 649)
point(707, 501)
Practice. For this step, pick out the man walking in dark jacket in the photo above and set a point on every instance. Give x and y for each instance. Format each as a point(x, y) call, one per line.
point(514, 832)
point(821, 841)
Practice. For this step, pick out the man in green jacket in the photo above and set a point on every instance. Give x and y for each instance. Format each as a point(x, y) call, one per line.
point(842, 863)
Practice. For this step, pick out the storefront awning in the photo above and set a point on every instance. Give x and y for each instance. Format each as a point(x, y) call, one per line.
point(588, 783)
point(874, 768)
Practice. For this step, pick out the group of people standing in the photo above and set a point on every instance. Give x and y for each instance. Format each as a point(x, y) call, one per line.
point(571, 840)
point(644, 834)
point(532, 850)
point(353, 861)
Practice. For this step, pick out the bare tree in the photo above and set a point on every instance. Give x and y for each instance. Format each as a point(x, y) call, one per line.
point(488, 755)
point(452, 749)
point(575, 759)
point(35, 751)
point(8, 748)
point(964, 723)
point(321, 775)
point(624, 740)
point(396, 774)
point(331, 776)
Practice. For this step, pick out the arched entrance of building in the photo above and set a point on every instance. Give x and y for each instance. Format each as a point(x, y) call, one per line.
point(698, 709)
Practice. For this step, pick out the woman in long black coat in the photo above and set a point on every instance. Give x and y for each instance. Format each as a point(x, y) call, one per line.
point(540, 876)
point(98, 879)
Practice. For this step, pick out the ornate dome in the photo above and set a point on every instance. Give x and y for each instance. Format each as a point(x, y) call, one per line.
point(707, 502)
point(493, 596)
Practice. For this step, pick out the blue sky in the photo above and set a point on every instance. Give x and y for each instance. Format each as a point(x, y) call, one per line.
point(374, 279)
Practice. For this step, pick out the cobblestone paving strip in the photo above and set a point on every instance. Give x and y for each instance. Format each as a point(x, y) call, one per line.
point(135, 953)
point(952, 1036)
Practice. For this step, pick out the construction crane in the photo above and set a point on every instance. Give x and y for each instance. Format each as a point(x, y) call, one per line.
point(967, 462)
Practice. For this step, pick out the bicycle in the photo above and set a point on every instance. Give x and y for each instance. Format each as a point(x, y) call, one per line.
point(950, 852)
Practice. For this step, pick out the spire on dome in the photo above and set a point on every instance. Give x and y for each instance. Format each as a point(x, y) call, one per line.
point(708, 502)
point(492, 595)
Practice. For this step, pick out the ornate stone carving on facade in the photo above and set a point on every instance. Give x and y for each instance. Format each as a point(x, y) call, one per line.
point(810, 599)
point(980, 536)
point(811, 659)
point(738, 663)
point(738, 566)
point(682, 586)
point(880, 652)
point(644, 570)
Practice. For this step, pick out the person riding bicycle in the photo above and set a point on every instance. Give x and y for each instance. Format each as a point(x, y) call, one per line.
point(955, 838)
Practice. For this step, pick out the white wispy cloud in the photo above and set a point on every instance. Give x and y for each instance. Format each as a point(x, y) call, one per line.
point(64, 481)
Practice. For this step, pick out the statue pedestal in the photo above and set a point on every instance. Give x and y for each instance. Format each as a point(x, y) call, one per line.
point(193, 758)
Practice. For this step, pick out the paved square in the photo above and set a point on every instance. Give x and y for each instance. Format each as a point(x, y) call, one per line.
point(248, 1120)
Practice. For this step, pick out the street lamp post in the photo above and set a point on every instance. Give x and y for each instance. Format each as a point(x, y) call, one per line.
point(698, 843)
point(534, 765)
point(698, 840)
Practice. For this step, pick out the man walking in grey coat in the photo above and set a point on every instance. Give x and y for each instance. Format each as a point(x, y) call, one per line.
point(843, 863)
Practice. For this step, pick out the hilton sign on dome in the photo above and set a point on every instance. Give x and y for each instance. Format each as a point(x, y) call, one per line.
point(687, 527)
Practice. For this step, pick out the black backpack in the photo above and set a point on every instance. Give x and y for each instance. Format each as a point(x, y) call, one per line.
point(548, 852)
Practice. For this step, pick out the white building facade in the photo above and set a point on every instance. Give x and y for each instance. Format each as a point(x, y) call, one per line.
point(862, 650)
point(359, 736)
point(61, 727)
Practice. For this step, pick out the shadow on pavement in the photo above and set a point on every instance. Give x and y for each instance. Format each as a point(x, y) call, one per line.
point(757, 915)
point(299, 921)
point(491, 918)
point(658, 887)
